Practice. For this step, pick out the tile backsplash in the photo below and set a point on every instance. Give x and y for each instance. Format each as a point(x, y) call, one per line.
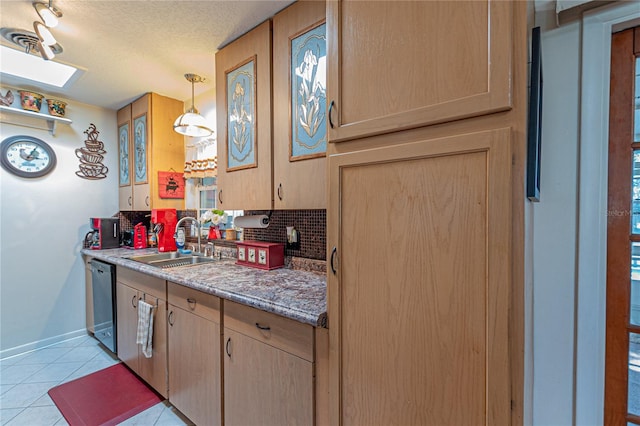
point(310, 224)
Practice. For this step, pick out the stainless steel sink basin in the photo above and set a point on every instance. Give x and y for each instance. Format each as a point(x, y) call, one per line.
point(172, 259)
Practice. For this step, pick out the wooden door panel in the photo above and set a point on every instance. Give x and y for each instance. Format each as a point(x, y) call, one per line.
point(299, 184)
point(399, 65)
point(264, 385)
point(154, 370)
point(248, 188)
point(127, 324)
point(194, 367)
point(419, 316)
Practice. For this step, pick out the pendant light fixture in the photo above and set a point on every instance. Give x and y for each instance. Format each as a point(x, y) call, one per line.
point(191, 123)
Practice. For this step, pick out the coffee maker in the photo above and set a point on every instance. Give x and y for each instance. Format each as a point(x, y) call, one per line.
point(163, 222)
point(105, 234)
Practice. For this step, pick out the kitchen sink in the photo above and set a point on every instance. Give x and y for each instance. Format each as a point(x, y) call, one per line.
point(172, 259)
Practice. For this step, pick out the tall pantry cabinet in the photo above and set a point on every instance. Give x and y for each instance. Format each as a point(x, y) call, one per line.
point(424, 211)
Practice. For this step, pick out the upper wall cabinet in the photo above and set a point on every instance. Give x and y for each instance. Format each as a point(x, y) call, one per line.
point(400, 65)
point(299, 106)
point(147, 144)
point(243, 104)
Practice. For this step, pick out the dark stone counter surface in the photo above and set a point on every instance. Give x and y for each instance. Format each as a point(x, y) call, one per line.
point(294, 294)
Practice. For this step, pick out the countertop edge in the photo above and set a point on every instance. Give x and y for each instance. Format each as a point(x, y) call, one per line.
point(315, 319)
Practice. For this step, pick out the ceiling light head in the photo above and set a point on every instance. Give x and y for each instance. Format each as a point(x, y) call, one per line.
point(191, 123)
point(44, 34)
point(48, 13)
point(45, 51)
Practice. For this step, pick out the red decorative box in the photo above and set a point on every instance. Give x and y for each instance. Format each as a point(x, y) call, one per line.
point(261, 255)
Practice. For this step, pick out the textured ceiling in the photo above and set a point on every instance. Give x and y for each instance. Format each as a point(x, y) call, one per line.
point(131, 47)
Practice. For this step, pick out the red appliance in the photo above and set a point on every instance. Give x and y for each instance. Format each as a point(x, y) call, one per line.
point(163, 221)
point(259, 254)
point(139, 236)
point(105, 234)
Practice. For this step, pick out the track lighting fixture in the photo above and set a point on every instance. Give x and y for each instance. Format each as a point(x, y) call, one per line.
point(46, 41)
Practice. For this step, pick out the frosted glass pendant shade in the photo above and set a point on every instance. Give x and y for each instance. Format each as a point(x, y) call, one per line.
point(192, 124)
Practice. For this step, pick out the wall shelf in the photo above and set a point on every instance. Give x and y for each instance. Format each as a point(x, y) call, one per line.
point(51, 120)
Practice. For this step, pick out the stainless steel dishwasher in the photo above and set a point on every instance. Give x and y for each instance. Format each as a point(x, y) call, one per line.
point(103, 284)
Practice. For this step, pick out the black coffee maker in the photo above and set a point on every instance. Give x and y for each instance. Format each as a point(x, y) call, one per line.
point(105, 233)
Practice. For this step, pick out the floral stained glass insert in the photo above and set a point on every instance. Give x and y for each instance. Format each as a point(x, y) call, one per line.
point(123, 146)
point(241, 116)
point(308, 94)
point(140, 149)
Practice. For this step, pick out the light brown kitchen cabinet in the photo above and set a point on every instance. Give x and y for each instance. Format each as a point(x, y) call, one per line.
point(299, 179)
point(132, 286)
point(401, 65)
point(195, 376)
point(419, 282)
point(148, 144)
point(243, 81)
point(268, 368)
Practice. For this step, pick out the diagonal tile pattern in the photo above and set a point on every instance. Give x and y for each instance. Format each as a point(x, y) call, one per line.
point(25, 380)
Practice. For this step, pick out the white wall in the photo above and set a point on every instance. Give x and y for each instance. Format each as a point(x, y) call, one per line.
point(569, 233)
point(555, 230)
point(42, 224)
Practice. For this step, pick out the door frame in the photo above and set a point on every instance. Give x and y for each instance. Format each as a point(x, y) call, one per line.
point(598, 25)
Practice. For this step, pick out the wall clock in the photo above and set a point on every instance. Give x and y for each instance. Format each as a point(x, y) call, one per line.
point(27, 157)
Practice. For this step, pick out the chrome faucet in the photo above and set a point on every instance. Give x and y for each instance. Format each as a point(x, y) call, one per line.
point(194, 220)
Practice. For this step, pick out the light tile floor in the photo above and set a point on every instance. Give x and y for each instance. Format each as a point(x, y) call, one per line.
point(25, 380)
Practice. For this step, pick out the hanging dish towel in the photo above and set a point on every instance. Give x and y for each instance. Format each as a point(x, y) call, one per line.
point(145, 327)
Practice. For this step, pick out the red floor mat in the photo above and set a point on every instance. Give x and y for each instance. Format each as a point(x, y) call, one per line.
point(106, 397)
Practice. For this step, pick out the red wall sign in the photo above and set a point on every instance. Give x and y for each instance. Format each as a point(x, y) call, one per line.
point(170, 184)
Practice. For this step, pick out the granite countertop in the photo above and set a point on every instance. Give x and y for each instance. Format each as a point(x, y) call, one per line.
point(298, 295)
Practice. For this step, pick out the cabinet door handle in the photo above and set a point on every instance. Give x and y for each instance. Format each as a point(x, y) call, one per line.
point(191, 301)
point(331, 109)
point(280, 191)
point(130, 201)
point(146, 201)
point(170, 319)
point(133, 303)
point(333, 254)
point(227, 347)
point(220, 196)
point(263, 327)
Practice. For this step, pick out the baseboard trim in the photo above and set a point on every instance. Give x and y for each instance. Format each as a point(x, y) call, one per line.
point(39, 344)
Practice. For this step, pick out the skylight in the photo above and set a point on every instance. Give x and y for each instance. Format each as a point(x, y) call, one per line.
point(22, 65)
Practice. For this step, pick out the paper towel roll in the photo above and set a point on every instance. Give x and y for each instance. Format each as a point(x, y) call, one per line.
point(258, 221)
